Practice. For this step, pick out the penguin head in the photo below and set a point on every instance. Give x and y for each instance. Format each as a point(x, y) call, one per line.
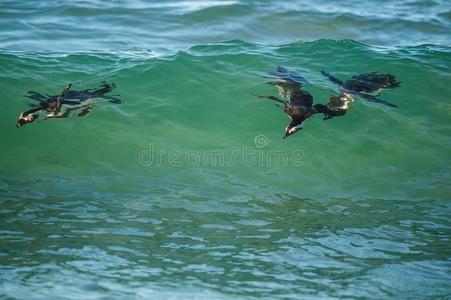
point(25, 118)
point(290, 130)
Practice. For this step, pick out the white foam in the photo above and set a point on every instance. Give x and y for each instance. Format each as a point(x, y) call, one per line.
point(182, 5)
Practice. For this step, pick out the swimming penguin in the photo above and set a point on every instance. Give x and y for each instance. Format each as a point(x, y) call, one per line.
point(366, 85)
point(62, 105)
point(296, 102)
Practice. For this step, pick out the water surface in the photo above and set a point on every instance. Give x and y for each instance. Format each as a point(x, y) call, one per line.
point(355, 207)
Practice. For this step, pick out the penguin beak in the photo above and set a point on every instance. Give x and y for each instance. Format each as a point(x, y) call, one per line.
point(287, 135)
point(291, 130)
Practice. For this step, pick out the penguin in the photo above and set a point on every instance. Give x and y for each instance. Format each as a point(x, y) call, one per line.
point(295, 102)
point(367, 85)
point(337, 106)
point(61, 106)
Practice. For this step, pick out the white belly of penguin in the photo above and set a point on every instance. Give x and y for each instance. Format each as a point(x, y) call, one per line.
point(346, 99)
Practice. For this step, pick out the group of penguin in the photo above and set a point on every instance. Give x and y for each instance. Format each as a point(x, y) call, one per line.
point(296, 102)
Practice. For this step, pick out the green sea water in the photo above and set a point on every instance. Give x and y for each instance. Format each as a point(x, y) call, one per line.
point(187, 190)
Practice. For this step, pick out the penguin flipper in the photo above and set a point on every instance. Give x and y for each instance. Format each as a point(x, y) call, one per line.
point(36, 96)
point(331, 78)
point(60, 97)
point(65, 90)
point(371, 98)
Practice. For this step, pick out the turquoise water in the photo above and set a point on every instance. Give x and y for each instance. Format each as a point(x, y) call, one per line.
point(187, 190)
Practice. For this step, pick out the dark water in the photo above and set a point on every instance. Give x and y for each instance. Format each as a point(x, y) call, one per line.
point(187, 190)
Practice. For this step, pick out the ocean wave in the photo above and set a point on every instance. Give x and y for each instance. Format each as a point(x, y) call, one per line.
point(91, 25)
point(187, 188)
